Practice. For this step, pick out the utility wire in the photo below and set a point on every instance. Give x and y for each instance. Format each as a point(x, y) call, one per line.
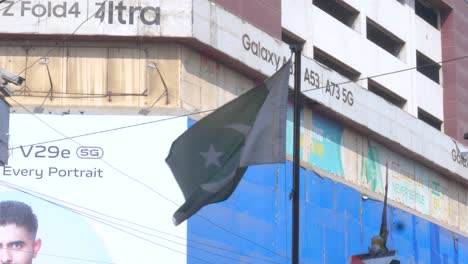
point(9, 5)
point(64, 257)
point(112, 129)
point(141, 183)
point(69, 207)
point(145, 123)
point(71, 138)
point(389, 73)
point(104, 223)
point(108, 223)
point(63, 40)
point(149, 187)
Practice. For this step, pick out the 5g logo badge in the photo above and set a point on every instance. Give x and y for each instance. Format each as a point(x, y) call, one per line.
point(89, 152)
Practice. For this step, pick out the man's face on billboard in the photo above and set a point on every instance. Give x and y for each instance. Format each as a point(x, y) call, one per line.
point(17, 245)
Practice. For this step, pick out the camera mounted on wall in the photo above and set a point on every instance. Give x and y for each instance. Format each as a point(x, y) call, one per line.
point(9, 78)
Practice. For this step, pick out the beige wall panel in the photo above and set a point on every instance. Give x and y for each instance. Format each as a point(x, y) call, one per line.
point(166, 57)
point(86, 74)
point(352, 155)
point(306, 134)
point(464, 211)
point(83, 74)
point(126, 74)
point(191, 83)
point(13, 59)
point(444, 200)
point(37, 78)
point(454, 204)
point(209, 90)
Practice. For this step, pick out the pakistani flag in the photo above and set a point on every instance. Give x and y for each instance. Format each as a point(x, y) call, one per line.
point(210, 158)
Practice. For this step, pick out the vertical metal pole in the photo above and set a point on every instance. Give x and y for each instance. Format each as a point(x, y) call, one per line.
point(296, 161)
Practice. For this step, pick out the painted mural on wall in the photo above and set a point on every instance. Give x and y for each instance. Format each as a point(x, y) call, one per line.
point(338, 150)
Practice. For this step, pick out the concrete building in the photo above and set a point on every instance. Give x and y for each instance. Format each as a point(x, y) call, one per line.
point(374, 90)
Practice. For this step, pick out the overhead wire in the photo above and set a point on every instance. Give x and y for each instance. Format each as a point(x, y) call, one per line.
point(199, 112)
point(63, 40)
point(136, 180)
point(104, 221)
point(70, 207)
point(149, 187)
point(193, 113)
point(213, 109)
point(64, 257)
point(145, 185)
point(204, 111)
point(389, 73)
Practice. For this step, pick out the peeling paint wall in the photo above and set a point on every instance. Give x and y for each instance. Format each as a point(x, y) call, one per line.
point(336, 222)
point(207, 84)
point(94, 76)
point(360, 161)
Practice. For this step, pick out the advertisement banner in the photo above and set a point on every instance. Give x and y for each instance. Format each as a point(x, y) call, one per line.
point(97, 17)
point(104, 198)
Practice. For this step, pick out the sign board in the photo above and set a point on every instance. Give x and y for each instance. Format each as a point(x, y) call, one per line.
point(105, 198)
point(227, 33)
point(97, 17)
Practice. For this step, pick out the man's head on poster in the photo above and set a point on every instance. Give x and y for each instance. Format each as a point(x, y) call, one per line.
point(18, 229)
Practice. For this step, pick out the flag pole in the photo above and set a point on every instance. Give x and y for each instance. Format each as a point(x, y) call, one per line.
point(297, 49)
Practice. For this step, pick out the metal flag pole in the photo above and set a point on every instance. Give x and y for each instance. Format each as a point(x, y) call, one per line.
point(297, 49)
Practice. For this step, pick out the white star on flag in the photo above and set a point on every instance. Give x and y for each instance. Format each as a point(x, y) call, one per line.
point(212, 157)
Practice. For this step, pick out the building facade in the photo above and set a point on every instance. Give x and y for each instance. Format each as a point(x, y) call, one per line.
point(382, 84)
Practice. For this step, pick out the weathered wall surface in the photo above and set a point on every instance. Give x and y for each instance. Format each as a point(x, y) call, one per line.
point(94, 77)
point(336, 222)
point(207, 84)
point(361, 162)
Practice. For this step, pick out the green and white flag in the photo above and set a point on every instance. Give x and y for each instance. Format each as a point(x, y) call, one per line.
point(210, 158)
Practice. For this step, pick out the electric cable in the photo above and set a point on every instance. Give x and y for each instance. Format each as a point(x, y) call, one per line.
point(150, 188)
point(64, 257)
point(389, 73)
point(63, 40)
point(201, 111)
point(70, 206)
point(211, 110)
point(102, 222)
point(109, 223)
point(113, 129)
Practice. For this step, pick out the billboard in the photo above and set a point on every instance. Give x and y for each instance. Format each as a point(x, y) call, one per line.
point(360, 160)
point(97, 17)
point(105, 197)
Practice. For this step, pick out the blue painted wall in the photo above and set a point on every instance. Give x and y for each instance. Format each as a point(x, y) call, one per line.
point(335, 224)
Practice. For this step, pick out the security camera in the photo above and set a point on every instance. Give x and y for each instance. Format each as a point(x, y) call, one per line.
point(8, 77)
point(7, 90)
